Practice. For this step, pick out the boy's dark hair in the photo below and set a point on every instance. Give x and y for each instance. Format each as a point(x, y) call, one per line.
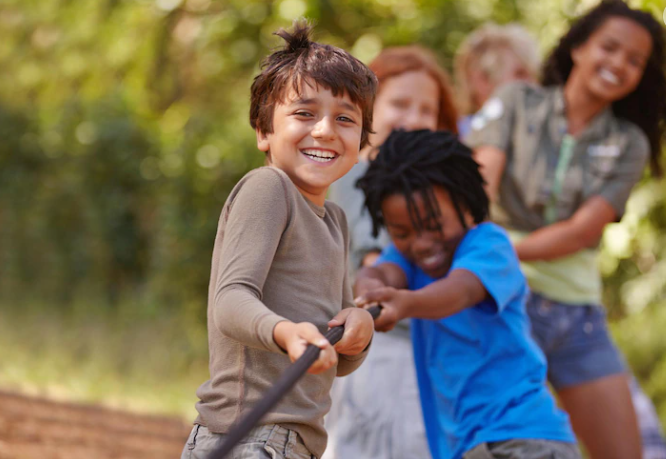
point(303, 61)
point(646, 106)
point(416, 161)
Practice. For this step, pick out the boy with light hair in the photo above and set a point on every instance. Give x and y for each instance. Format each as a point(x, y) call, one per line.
point(489, 57)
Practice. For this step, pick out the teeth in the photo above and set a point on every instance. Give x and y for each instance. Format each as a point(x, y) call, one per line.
point(320, 154)
point(320, 160)
point(609, 76)
point(431, 259)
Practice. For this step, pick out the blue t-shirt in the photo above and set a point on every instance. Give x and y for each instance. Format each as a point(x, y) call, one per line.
point(481, 377)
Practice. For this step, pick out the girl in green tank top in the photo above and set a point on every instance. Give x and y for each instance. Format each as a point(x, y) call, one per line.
point(560, 162)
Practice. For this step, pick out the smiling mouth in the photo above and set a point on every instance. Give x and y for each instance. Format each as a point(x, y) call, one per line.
point(609, 77)
point(432, 262)
point(320, 156)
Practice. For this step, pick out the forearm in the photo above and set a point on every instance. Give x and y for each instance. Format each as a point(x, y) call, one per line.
point(553, 241)
point(388, 274)
point(436, 301)
point(371, 272)
point(240, 315)
point(445, 297)
point(581, 231)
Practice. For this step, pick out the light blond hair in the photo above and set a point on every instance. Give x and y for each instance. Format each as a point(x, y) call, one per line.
point(483, 49)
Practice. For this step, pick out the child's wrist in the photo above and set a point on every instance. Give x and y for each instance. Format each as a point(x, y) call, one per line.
point(405, 299)
point(281, 332)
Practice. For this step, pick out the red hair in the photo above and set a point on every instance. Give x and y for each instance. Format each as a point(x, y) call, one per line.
point(402, 59)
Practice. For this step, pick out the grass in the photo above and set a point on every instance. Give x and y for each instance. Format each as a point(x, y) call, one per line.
point(126, 358)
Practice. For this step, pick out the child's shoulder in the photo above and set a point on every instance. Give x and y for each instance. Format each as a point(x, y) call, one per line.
point(487, 234)
point(264, 182)
point(267, 176)
point(265, 189)
point(487, 242)
point(334, 209)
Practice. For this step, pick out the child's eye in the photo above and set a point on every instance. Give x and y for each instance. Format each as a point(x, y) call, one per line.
point(303, 113)
point(637, 62)
point(608, 46)
point(432, 225)
point(398, 234)
point(427, 111)
point(346, 119)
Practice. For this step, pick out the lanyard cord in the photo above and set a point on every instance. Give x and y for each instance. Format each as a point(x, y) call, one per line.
point(566, 153)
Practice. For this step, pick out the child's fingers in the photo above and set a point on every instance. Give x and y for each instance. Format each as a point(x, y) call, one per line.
point(305, 334)
point(387, 320)
point(327, 359)
point(357, 334)
point(311, 335)
point(362, 302)
point(340, 318)
point(327, 356)
point(375, 296)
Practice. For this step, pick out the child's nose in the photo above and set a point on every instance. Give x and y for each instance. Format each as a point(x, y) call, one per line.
point(415, 119)
point(324, 129)
point(422, 243)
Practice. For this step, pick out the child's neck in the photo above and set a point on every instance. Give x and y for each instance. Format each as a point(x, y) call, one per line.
point(580, 106)
point(367, 154)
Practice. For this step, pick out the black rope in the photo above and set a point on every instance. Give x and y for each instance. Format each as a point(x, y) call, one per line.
point(279, 389)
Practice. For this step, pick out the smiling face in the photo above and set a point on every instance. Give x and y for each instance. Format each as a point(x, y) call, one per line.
point(408, 101)
point(433, 247)
point(315, 140)
point(610, 64)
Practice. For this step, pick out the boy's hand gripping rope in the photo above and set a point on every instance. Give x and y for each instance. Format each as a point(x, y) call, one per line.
point(279, 389)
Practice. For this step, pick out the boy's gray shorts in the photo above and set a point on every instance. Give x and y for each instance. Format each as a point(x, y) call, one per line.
point(264, 442)
point(524, 449)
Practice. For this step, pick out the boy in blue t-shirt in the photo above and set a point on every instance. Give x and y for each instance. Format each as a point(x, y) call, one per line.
point(481, 378)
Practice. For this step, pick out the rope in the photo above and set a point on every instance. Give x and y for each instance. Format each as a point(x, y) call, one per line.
point(279, 389)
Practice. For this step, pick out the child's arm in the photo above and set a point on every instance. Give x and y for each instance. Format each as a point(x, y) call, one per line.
point(359, 325)
point(244, 255)
point(581, 231)
point(485, 267)
point(444, 297)
point(382, 275)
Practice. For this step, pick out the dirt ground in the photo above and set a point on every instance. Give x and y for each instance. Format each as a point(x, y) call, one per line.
point(33, 428)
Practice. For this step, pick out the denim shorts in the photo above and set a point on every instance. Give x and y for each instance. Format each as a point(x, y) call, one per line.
point(576, 341)
point(263, 442)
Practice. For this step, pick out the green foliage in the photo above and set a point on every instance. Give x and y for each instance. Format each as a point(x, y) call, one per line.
point(124, 127)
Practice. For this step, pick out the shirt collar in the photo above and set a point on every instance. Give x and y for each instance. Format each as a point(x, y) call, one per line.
point(600, 125)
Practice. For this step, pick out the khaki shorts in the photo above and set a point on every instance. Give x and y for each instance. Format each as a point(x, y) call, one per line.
point(524, 449)
point(264, 442)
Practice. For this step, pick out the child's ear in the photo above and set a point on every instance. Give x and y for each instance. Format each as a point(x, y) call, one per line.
point(262, 141)
point(575, 54)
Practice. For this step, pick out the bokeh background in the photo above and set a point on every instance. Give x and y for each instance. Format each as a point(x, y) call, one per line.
point(123, 127)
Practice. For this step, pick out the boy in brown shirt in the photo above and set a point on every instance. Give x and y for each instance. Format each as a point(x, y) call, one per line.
point(280, 257)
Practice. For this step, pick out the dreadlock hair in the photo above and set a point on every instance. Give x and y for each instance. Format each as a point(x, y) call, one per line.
point(646, 105)
point(414, 162)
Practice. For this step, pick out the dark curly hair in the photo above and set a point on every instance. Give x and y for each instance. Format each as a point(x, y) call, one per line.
point(302, 60)
point(646, 105)
point(416, 161)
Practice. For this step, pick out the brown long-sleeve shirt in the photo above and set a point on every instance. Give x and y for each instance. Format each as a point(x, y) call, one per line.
point(277, 256)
